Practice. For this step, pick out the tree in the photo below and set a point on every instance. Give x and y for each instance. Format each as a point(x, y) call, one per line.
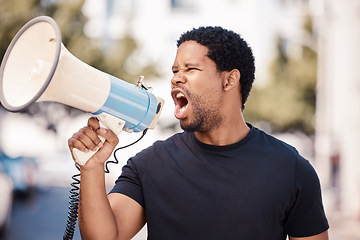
point(287, 102)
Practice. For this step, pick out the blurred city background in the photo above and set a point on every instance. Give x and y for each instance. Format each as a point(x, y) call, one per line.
point(306, 92)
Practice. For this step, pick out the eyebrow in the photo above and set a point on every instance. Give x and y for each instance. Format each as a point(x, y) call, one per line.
point(187, 65)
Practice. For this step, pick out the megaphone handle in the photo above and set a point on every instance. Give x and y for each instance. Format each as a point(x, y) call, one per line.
point(108, 121)
point(82, 157)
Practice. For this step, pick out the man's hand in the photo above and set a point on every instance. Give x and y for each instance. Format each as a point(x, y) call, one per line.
point(87, 139)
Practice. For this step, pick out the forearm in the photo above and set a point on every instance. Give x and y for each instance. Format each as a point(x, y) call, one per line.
point(96, 220)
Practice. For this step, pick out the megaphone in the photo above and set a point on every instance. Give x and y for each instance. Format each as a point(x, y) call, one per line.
point(37, 67)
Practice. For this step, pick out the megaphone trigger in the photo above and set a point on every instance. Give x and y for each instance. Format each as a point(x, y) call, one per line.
point(109, 121)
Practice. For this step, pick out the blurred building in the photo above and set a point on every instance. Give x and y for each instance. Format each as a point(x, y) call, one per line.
point(338, 101)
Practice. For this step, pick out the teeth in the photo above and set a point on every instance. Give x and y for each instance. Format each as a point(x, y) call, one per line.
point(179, 95)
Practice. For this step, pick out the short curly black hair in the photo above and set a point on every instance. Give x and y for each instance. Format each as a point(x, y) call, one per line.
point(228, 50)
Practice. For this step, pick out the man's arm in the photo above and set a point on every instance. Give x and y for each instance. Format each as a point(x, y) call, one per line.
point(100, 216)
point(129, 215)
point(321, 236)
point(115, 216)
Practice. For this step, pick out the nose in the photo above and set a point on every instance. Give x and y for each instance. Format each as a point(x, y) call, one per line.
point(178, 78)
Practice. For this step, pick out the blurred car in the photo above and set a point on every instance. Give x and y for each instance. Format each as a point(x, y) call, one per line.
point(23, 173)
point(6, 197)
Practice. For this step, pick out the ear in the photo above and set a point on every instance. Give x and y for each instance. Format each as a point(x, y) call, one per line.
point(232, 79)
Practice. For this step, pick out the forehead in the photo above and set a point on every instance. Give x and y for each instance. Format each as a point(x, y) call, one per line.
point(191, 52)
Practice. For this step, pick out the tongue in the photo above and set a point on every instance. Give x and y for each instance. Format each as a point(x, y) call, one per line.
point(180, 112)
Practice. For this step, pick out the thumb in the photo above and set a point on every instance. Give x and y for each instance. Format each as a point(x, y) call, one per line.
point(111, 141)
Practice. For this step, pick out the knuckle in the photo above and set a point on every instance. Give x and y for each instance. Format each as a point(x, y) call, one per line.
point(70, 142)
point(84, 129)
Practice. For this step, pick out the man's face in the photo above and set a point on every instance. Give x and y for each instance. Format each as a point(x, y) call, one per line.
point(196, 88)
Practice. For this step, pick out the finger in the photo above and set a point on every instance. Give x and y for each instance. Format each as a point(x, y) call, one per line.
point(109, 135)
point(109, 145)
point(93, 123)
point(85, 138)
point(73, 142)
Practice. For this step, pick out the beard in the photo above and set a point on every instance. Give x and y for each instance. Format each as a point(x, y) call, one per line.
point(206, 114)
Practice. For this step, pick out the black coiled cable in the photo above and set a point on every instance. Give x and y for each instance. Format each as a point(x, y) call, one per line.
point(116, 160)
point(74, 194)
point(73, 207)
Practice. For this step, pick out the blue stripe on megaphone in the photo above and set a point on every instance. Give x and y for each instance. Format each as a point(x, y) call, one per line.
point(136, 106)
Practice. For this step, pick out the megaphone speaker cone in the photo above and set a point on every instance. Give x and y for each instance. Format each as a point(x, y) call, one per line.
point(29, 63)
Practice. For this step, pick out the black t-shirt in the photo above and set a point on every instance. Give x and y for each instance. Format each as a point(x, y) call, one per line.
point(257, 188)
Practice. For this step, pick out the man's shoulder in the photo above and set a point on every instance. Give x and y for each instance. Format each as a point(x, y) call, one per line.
point(271, 146)
point(272, 141)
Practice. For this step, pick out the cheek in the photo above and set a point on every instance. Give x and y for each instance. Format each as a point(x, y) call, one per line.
point(212, 93)
point(206, 100)
point(206, 87)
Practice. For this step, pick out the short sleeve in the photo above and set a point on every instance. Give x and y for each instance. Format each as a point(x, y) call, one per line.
point(306, 217)
point(129, 183)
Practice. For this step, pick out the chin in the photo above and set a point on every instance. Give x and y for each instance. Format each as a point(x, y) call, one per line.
point(190, 127)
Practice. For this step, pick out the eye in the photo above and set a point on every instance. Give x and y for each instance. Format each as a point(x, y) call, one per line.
point(192, 69)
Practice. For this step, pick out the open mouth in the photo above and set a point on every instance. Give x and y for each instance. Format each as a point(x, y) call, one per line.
point(181, 100)
point(181, 103)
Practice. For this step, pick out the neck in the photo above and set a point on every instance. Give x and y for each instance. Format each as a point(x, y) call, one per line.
point(231, 131)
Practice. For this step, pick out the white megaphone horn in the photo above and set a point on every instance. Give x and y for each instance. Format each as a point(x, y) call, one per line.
point(37, 67)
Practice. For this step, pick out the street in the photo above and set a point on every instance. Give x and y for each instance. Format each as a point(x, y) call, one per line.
point(41, 217)
point(44, 216)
